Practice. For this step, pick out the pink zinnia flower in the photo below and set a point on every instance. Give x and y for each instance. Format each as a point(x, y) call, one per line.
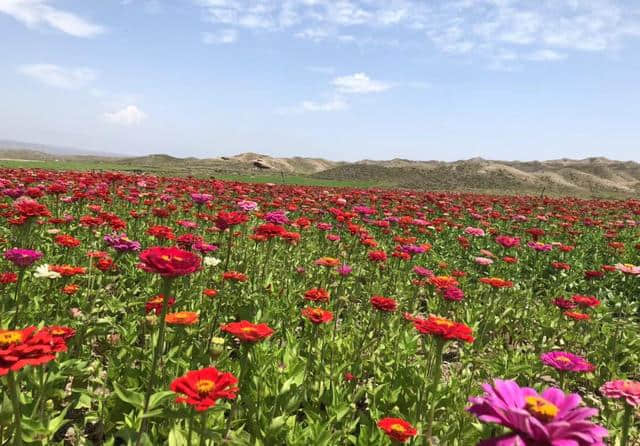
point(476, 232)
point(484, 261)
point(538, 246)
point(567, 362)
point(421, 271)
point(507, 241)
point(623, 388)
point(627, 268)
point(22, 258)
point(453, 293)
point(549, 418)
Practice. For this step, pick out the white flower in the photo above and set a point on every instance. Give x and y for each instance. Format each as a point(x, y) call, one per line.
point(43, 271)
point(211, 261)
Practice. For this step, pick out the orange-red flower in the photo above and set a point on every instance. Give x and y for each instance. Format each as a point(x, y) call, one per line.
point(317, 315)
point(397, 429)
point(317, 295)
point(155, 303)
point(577, 316)
point(246, 331)
point(496, 282)
point(202, 388)
point(68, 270)
point(209, 292)
point(234, 276)
point(443, 282)
point(327, 261)
point(182, 318)
point(66, 240)
point(443, 328)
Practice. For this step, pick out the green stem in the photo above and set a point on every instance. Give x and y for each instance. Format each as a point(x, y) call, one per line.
point(190, 434)
point(203, 423)
point(626, 423)
point(437, 374)
point(165, 290)
point(16, 315)
point(15, 402)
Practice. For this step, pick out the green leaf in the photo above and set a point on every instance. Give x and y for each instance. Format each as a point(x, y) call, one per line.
point(158, 397)
point(136, 399)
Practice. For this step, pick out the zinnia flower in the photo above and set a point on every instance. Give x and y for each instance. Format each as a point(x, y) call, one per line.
point(496, 282)
point(22, 258)
point(567, 362)
point(384, 303)
point(443, 328)
point(317, 295)
point(19, 348)
point(317, 315)
point(182, 318)
point(623, 388)
point(397, 429)
point(202, 388)
point(246, 331)
point(169, 262)
point(550, 418)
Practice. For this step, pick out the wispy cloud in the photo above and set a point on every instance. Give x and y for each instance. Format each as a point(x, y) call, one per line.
point(537, 31)
point(359, 83)
point(60, 77)
point(128, 116)
point(220, 37)
point(335, 104)
point(35, 13)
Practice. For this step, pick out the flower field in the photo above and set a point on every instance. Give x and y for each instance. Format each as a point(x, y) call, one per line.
point(147, 310)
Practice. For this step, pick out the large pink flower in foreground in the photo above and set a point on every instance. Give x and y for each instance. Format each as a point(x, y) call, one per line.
point(551, 418)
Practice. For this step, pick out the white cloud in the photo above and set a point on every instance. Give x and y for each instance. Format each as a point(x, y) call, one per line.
point(56, 76)
point(462, 28)
point(336, 104)
point(34, 13)
point(220, 37)
point(546, 55)
point(359, 83)
point(130, 115)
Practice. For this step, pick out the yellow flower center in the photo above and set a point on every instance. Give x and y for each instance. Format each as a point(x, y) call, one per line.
point(563, 359)
point(166, 258)
point(541, 408)
point(248, 329)
point(442, 322)
point(10, 337)
point(204, 386)
point(397, 428)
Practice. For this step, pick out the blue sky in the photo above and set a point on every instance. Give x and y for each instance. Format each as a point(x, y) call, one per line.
point(339, 79)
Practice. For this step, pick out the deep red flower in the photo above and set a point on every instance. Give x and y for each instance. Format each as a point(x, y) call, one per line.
point(246, 331)
point(269, 230)
point(66, 240)
point(443, 328)
point(397, 429)
point(6, 278)
point(169, 261)
point(377, 256)
point(384, 303)
point(225, 220)
point(202, 388)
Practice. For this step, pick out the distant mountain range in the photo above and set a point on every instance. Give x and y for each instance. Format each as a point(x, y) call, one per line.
point(586, 177)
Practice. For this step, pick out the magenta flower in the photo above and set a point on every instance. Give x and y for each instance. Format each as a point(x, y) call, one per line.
point(278, 217)
point(246, 205)
point(567, 362)
point(507, 241)
point(423, 272)
point(201, 198)
point(22, 258)
point(476, 232)
point(121, 243)
point(344, 270)
point(453, 293)
point(539, 246)
point(623, 388)
point(551, 418)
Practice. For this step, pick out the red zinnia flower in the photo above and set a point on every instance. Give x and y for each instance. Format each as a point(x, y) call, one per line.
point(225, 220)
point(234, 276)
point(169, 262)
point(378, 256)
point(577, 316)
point(317, 315)
point(155, 303)
point(210, 292)
point(443, 282)
point(19, 348)
point(246, 331)
point(443, 328)
point(397, 429)
point(269, 230)
point(6, 278)
point(383, 303)
point(67, 240)
point(68, 270)
point(203, 387)
point(585, 301)
point(317, 294)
